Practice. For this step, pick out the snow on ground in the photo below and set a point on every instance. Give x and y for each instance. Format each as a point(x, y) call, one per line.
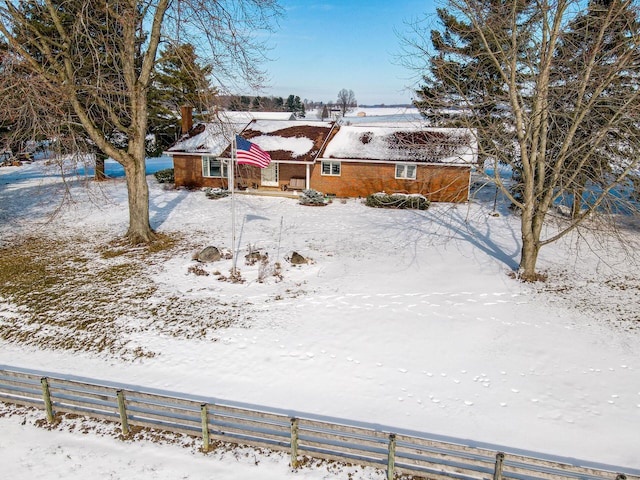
point(403, 319)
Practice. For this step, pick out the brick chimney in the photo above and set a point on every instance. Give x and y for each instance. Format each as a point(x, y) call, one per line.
point(186, 112)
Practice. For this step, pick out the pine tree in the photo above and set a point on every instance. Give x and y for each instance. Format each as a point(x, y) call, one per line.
point(464, 85)
point(295, 106)
point(585, 47)
point(324, 113)
point(551, 91)
point(180, 79)
point(183, 79)
point(97, 59)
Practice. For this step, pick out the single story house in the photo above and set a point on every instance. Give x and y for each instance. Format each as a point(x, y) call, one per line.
point(341, 160)
point(201, 157)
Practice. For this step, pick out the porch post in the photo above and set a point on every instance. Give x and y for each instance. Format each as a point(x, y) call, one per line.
point(307, 179)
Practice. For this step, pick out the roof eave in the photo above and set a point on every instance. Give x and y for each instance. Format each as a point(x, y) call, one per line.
point(386, 161)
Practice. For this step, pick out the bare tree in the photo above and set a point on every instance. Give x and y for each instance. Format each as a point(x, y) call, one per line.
point(346, 101)
point(97, 57)
point(550, 94)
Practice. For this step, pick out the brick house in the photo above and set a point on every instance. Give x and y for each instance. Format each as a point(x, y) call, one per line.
point(341, 160)
point(201, 158)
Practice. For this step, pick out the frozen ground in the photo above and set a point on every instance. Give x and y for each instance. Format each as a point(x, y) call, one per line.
point(402, 318)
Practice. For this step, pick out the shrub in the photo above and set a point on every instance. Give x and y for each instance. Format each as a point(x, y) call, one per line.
point(311, 197)
point(165, 176)
point(215, 193)
point(397, 200)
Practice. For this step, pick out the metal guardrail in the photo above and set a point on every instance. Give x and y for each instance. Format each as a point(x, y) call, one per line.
point(395, 453)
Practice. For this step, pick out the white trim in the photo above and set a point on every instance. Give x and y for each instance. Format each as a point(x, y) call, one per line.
point(189, 154)
point(393, 162)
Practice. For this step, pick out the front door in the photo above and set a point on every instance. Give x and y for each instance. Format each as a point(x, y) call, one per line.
point(269, 175)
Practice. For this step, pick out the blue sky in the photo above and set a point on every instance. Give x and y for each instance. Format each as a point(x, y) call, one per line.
point(322, 47)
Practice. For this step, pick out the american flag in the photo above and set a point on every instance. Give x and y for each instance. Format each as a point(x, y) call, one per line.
point(251, 154)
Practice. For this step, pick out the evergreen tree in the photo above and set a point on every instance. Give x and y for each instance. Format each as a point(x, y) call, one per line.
point(585, 47)
point(551, 91)
point(97, 59)
point(180, 79)
point(183, 79)
point(464, 85)
point(97, 67)
point(324, 113)
point(295, 106)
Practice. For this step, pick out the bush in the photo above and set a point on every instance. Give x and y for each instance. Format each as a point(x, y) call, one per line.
point(397, 200)
point(311, 197)
point(165, 176)
point(215, 193)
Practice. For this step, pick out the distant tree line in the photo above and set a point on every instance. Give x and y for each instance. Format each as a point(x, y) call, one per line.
point(247, 103)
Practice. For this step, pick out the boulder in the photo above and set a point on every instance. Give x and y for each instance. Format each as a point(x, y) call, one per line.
point(209, 254)
point(297, 259)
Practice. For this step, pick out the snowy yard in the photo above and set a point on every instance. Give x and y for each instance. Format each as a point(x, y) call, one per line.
point(404, 319)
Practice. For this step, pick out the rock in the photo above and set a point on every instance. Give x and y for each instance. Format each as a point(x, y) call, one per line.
point(297, 259)
point(209, 254)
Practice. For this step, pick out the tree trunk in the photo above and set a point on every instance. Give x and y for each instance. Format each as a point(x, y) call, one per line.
point(530, 243)
point(138, 191)
point(528, 260)
point(99, 174)
point(577, 202)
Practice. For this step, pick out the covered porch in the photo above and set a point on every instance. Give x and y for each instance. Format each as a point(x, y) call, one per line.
point(277, 177)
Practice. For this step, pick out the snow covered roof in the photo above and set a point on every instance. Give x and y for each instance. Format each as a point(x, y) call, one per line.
point(246, 117)
point(213, 138)
point(207, 138)
point(403, 141)
point(386, 114)
point(303, 140)
point(294, 140)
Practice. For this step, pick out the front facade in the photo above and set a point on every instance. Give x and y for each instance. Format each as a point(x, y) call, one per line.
point(439, 183)
point(342, 161)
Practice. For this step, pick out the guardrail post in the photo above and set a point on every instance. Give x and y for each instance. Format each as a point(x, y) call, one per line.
point(204, 415)
point(497, 473)
point(391, 457)
point(123, 413)
point(46, 394)
point(294, 443)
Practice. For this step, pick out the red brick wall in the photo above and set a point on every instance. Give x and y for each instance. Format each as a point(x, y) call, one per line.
point(187, 171)
point(287, 171)
point(437, 183)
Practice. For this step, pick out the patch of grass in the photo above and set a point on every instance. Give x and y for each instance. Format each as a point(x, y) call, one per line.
point(75, 295)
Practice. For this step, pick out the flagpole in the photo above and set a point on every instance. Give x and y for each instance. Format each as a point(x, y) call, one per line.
point(232, 181)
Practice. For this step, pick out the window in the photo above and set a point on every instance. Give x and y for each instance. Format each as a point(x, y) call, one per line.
point(331, 168)
point(405, 171)
point(212, 167)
